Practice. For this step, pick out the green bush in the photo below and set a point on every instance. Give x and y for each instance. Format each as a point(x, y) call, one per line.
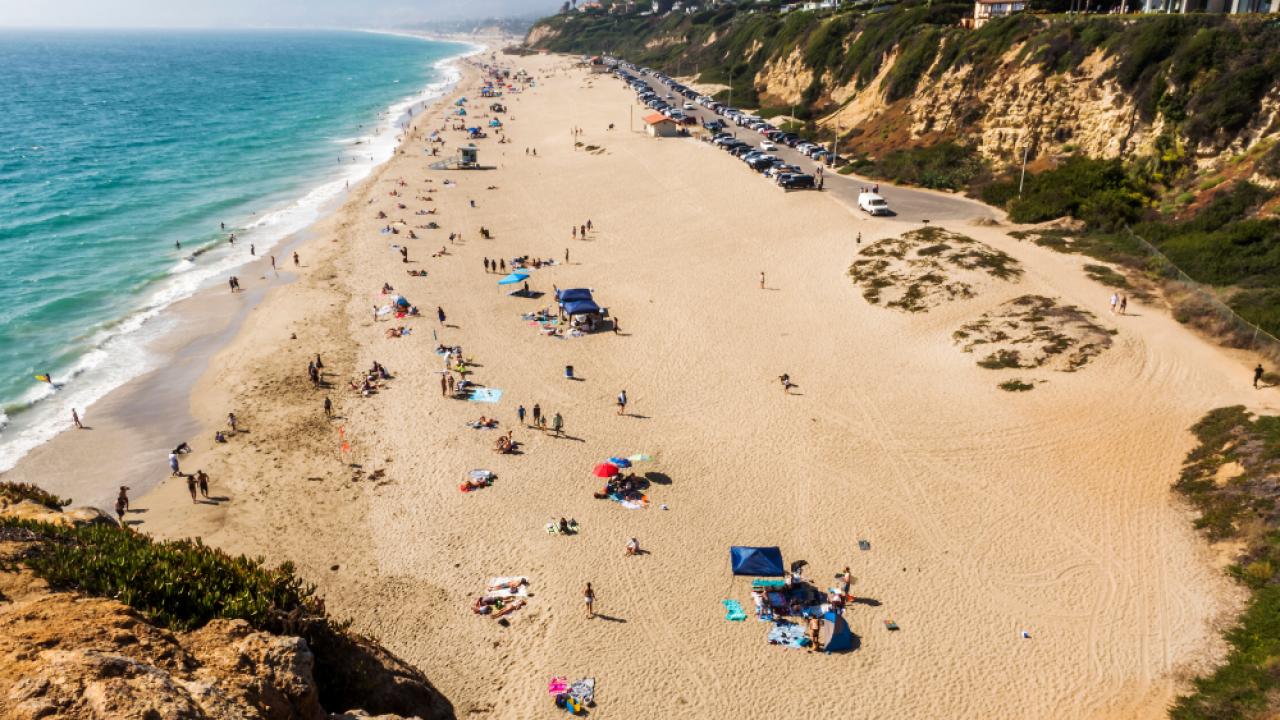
point(17, 492)
point(1100, 192)
point(945, 166)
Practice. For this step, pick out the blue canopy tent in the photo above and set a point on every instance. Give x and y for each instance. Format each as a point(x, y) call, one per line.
point(758, 561)
point(835, 634)
point(581, 307)
point(571, 294)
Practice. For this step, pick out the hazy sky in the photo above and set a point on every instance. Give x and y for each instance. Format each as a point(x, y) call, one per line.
point(240, 13)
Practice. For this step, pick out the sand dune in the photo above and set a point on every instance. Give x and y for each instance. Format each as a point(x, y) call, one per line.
point(987, 512)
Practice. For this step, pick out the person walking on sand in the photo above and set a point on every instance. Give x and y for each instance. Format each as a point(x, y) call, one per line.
point(1124, 304)
point(815, 633)
point(589, 597)
point(622, 402)
point(296, 262)
point(452, 385)
point(633, 547)
point(191, 488)
point(520, 414)
point(589, 225)
point(202, 479)
point(786, 383)
point(1257, 376)
point(444, 386)
point(1115, 299)
point(173, 464)
point(231, 422)
point(328, 407)
point(582, 230)
point(762, 280)
point(617, 328)
point(253, 250)
point(573, 230)
point(557, 425)
point(75, 419)
point(537, 415)
point(486, 265)
point(859, 240)
point(440, 314)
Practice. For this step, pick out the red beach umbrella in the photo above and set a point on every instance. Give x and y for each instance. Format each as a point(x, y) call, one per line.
point(605, 470)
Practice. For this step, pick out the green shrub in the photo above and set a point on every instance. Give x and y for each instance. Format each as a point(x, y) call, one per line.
point(945, 166)
point(17, 492)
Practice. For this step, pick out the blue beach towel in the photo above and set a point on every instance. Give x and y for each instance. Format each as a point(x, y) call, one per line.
point(735, 612)
point(788, 634)
point(486, 395)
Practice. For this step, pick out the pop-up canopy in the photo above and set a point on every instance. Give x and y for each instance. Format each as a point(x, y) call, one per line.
point(581, 307)
point(757, 561)
point(571, 294)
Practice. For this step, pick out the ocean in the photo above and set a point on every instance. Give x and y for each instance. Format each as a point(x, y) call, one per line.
point(115, 147)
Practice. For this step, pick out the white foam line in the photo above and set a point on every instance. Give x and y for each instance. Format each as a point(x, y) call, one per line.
point(120, 349)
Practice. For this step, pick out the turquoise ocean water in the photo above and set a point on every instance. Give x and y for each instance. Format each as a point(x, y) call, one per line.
point(114, 146)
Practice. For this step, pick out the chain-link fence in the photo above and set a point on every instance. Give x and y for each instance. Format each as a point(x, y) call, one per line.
point(1201, 306)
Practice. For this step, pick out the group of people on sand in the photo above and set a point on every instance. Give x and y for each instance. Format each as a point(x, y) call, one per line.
point(1119, 303)
point(540, 419)
point(580, 231)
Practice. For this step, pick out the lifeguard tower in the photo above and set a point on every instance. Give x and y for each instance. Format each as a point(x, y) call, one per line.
point(468, 157)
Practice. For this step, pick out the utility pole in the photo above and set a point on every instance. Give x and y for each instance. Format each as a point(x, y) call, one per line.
point(1025, 149)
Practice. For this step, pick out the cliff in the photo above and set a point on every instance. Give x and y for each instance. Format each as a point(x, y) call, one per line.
point(75, 645)
point(1105, 86)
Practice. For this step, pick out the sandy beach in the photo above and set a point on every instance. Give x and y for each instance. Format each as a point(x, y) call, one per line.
point(986, 513)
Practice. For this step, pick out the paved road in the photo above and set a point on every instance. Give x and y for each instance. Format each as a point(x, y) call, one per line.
point(911, 205)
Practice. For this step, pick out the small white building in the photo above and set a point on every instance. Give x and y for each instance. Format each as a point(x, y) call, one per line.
point(984, 10)
point(659, 125)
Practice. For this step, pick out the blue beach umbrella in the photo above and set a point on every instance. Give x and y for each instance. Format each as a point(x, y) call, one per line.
point(514, 278)
point(620, 462)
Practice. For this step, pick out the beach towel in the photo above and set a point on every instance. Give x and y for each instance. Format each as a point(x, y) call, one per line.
point(584, 690)
point(788, 635)
point(520, 590)
point(734, 610)
point(767, 583)
point(481, 474)
point(485, 395)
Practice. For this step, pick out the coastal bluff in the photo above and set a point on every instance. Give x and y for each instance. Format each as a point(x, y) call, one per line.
point(68, 654)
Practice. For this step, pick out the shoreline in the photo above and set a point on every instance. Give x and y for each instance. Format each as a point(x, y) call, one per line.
point(134, 423)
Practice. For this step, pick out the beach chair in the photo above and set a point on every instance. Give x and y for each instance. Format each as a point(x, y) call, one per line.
point(890, 625)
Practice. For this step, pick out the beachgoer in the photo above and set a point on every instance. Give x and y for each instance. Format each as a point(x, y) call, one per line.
point(173, 463)
point(573, 230)
point(1114, 300)
point(202, 478)
point(253, 250)
point(633, 547)
point(616, 327)
point(1124, 304)
point(75, 419)
point(319, 362)
point(452, 385)
point(440, 314)
point(191, 488)
point(231, 421)
point(566, 256)
point(589, 596)
point(122, 503)
point(328, 407)
point(502, 265)
point(296, 262)
point(232, 282)
point(444, 386)
point(273, 262)
point(582, 230)
point(537, 415)
point(520, 414)
point(815, 633)
point(1257, 376)
point(557, 424)
point(786, 383)
point(486, 265)
point(859, 238)
point(589, 226)
point(622, 402)
point(761, 280)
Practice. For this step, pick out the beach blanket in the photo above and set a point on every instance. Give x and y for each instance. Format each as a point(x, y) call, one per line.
point(788, 635)
point(519, 591)
point(765, 583)
point(630, 504)
point(735, 612)
point(485, 395)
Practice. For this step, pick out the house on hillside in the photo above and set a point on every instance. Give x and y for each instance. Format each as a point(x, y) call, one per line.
point(659, 125)
point(984, 10)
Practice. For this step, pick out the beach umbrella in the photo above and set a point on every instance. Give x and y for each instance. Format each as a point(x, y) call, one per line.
point(620, 462)
point(513, 278)
point(641, 457)
point(605, 470)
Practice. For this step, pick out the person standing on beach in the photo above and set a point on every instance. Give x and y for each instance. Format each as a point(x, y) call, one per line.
point(191, 488)
point(520, 414)
point(573, 230)
point(589, 226)
point(232, 282)
point(273, 262)
point(253, 250)
point(173, 463)
point(75, 419)
point(786, 383)
point(566, 256)
point(859, 241)
point(1124, 304)
point(122, 504)
point(444, 386)
point(589, 596)
point(1257, 376)
point(557, 425)
point(440, 314)
point(616, 327)
point(328, 407)
point(452, 385)
point(231, 421)
point(202, 479)
point(582, 231)
point(622, 402)
point(761, 279)
point(296, 262)
point(486, 265)
point(537, 415)
point(1114, 300)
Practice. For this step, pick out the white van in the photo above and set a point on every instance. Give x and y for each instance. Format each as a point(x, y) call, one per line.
point(873, 204)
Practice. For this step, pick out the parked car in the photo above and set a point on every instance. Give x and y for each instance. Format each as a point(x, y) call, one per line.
point(873, 204)
point(766, 145)
point(797, 181)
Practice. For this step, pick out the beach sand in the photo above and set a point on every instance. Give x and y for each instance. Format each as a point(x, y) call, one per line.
point(988, 513)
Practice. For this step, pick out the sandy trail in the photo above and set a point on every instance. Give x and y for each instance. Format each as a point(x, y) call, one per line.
point(988, 512)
